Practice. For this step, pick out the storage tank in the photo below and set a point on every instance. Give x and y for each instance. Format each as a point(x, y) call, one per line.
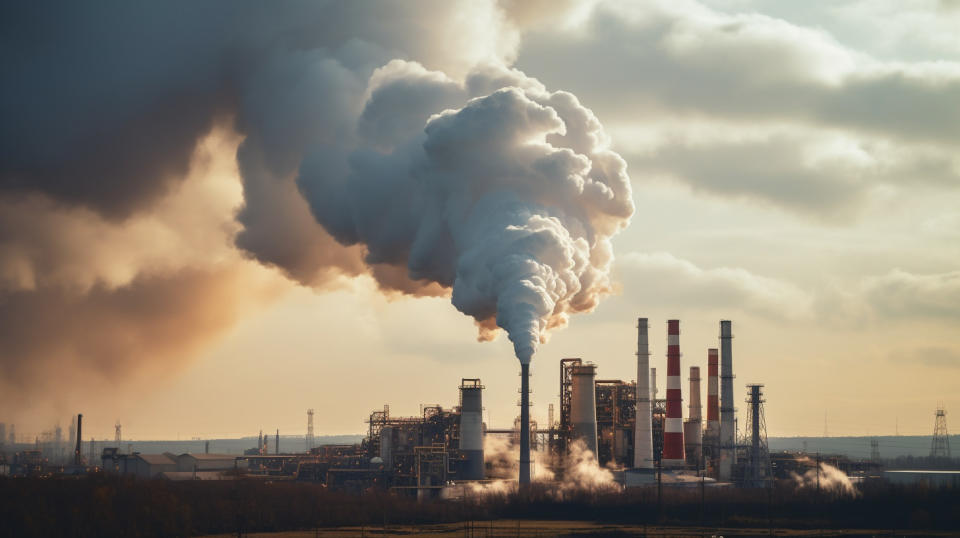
point(583, 405)
point(471, 430)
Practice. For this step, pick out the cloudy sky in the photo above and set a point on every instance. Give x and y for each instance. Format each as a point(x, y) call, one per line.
point(214, 216)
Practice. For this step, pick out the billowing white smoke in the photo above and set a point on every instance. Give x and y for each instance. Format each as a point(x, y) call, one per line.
point(582, 473)
point(493, 186)
point(829, 479)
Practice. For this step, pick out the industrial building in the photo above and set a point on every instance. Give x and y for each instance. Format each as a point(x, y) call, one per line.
point(644, 435)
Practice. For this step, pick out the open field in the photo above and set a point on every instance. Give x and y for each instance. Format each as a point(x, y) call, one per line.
point(548, 529)
point(103, 506)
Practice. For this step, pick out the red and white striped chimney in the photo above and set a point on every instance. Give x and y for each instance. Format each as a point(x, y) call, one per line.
point(673, 425)
point(713, 392)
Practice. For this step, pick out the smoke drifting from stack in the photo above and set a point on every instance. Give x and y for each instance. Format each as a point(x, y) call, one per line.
point(451, 174)
point(510, 200)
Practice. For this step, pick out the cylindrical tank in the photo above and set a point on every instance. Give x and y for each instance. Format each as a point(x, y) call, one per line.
point(471, 429)
point(386, 446)
point(583, 405)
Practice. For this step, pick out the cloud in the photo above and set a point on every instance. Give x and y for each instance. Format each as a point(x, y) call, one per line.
point(661, 278)
point(933, 356)
point(903, 295)
point(825, 175)
point(151, 324)
point(633, 60)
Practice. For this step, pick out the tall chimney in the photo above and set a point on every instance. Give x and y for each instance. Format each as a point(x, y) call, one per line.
point(643, 428)
point(77, 457)
point(712, 435)
point(673, 425)
point(276, 444)
point(653, 386)
point(524, 477)
point(692, 428)
point(471, 429)
point(728, 452)
point(583, 405)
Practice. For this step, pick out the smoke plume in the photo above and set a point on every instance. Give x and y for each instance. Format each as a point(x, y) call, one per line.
point(829, 479)
point(581, 471)
point(510, 199)
point(384, 139)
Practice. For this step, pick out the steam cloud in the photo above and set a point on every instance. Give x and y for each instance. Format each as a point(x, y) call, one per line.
point(510, 199)
point(385, 139)
point(581, 471)
point(830, 479)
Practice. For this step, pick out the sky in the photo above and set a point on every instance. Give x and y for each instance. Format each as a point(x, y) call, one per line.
point(215, 216)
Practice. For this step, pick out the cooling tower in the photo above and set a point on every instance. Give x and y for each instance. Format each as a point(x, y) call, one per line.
point(728, 452)
point(583, 405)
point(643, 429)
point(471, 429)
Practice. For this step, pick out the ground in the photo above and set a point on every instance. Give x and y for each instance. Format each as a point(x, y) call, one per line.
point(545, 529)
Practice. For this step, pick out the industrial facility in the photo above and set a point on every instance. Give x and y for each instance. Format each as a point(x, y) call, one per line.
point(625, 427)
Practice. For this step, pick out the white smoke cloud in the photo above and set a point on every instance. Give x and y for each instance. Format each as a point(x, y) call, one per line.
point(510, 200)
point(829, 479)
point(581, 471)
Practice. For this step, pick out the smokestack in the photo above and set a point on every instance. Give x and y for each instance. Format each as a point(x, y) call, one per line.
point(692, 428)
point(728, 453)
point(643, 429)
point(524, 477)
point(583, 405)
point(276, 444)
point(712, 435)
point(653, 386)
point(77, 458)
point(673, 425)
point(471, 429)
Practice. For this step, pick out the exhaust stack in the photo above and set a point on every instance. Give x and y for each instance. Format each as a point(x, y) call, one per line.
point(77, 458)
point(643, 429)
point(728, 452)
point(692, 428)
point(524, 476)
point(673, 425)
